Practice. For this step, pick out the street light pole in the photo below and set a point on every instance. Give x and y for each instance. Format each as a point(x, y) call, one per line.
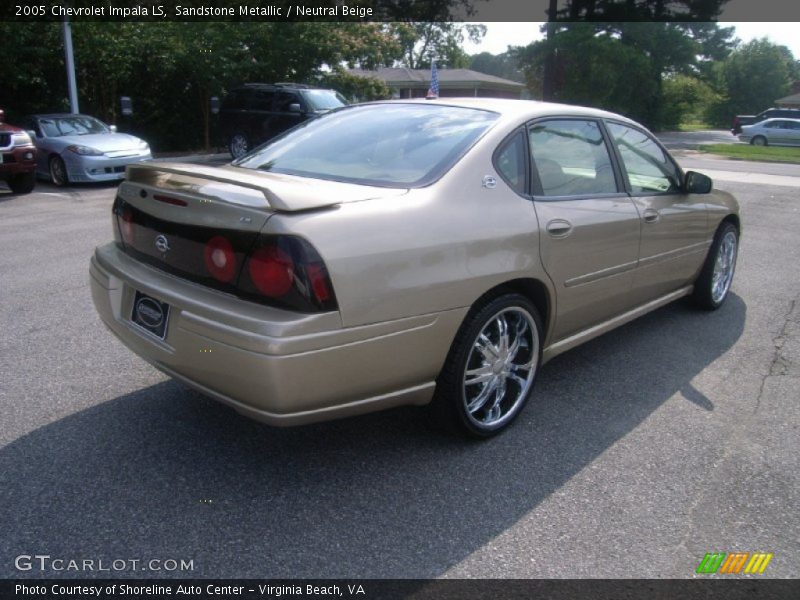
point(70, 63)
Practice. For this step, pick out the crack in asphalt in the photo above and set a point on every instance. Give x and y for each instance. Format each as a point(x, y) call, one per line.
point(777, 365)
point(778, 341)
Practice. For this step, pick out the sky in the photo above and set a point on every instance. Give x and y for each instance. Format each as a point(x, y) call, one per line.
point(500, 35)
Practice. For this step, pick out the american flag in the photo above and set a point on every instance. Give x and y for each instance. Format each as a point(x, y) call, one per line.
point(433, 91)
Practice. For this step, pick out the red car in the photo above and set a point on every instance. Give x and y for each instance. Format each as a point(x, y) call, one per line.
point(17, 158)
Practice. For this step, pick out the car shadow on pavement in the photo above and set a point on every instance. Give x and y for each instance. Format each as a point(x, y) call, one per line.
point(165, 473)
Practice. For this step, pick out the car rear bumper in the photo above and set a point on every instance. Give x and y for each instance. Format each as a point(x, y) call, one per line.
point(273, 365)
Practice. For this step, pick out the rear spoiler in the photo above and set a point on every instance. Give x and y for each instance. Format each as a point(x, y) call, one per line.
point(148, 173)
point(280, 192)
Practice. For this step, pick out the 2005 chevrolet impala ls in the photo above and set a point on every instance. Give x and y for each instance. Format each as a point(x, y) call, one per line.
point(407, 252)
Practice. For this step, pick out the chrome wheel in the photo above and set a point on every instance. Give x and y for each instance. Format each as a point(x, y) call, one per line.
point(58, 172)
point(501, 367)
point(238, 145)
point(724, 266)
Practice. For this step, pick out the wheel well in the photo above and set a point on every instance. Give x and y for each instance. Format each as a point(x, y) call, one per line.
point(533, 289)
point(734, 220)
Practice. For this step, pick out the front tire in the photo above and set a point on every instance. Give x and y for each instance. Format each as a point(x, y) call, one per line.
point(22, 183)
point(58, 171)
point(489, 373)
point(238, 145)
point(712, 286)
point(759, 140)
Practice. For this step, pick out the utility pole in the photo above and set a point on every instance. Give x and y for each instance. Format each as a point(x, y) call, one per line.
point(549, 75)
point(69, 60)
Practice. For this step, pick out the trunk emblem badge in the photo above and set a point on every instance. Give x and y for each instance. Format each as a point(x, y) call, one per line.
point(162, 244)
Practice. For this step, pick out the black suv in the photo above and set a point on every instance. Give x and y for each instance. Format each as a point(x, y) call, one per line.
point(770, 113)
point(256, 112)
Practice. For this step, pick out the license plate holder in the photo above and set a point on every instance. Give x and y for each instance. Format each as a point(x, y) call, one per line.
point(150, 314)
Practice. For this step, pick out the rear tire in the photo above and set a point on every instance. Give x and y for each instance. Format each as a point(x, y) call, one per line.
point(759, 140)
point(22, 183)
point(58, 171)
point(712, 286)
point(489, 372)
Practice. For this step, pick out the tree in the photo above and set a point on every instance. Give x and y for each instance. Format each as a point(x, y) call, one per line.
point(675, 36)
point(503, 65)
point(421, 42)
point(752, 78)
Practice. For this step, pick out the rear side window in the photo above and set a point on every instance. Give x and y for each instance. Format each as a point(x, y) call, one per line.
point(648, 167)
point(509, 160)
point(570, 158)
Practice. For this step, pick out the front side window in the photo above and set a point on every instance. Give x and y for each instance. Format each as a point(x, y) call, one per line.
point(324, 99)
point(648, 167)
point(570, 158)
point(393, 145)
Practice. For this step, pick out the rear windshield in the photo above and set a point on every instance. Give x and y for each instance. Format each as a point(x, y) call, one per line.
point(392, 145)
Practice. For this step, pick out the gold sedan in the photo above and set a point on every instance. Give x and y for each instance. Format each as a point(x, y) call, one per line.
point(408, 252)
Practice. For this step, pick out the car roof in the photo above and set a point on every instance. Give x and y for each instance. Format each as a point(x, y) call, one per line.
point(522, 109)
point(780, 119)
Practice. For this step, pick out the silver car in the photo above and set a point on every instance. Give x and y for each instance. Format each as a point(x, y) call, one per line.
point(409, 252)
point(79, 148)
point(772, 132)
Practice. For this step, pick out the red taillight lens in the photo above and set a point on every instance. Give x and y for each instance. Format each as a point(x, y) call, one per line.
point(126, 226)
point(286, 271)
point(271, 271)
point(220, 259)
point(318, 278)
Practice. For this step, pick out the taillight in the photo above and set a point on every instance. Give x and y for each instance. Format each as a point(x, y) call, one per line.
point(271, 271)
point(126, 225)
point(287, 271)
point(220, 259)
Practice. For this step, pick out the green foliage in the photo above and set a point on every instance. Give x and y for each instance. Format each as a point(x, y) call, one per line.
point(751, 79)
point(171, 69)
point(503, 65)
point(422, 42)
point(686, 98)
point(355, 88)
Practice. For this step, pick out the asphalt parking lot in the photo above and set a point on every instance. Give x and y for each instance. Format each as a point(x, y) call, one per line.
point(673, 436)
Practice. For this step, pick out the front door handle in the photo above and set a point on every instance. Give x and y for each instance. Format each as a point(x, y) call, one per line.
point(559, 228)
point(651, 215)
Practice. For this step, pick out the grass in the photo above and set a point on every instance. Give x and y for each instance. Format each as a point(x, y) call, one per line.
point(756, 153)
point(694, 126)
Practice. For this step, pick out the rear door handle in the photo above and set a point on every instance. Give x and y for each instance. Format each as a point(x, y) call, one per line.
point(651, 215)
point(559, 228)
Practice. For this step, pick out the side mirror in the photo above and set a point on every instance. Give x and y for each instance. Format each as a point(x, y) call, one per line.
point(697, 183)
point(294, 107)
point(33, 135)
point(113, 128)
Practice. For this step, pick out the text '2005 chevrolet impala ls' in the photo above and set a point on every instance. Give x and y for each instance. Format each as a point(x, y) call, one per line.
point(407, 252)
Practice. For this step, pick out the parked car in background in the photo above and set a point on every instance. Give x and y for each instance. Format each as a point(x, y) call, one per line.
point(17, 158)
point(772, 132)
point(407, 252)
point(257, 112)
point(79, 148)
point(740, 121)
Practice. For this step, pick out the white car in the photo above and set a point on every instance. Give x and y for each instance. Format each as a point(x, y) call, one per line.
point(772, 132)
point(79, 148)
